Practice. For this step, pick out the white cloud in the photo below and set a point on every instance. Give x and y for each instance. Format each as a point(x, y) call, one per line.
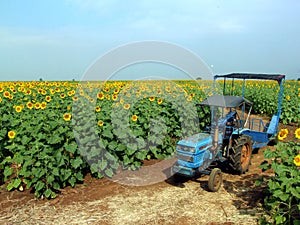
point(148, 24)
point(60, 37)
point(164, 19)
point(231, 26)
point(97, 6)
point(21, 36)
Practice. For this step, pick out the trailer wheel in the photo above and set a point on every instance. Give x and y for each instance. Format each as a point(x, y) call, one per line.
point(215, 180)
point(274, 140)
point(240, 154)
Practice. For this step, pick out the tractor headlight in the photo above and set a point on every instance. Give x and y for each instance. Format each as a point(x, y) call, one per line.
point(185, 148)
point(192, 150)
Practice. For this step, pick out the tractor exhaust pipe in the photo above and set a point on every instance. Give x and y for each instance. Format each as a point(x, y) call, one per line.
point(215, 138)
point(215, 130)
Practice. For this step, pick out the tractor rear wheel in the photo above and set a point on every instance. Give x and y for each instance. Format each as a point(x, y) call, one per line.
point(240, 154)
point(215, 180)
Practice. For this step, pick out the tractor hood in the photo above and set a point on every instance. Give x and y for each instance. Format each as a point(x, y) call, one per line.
point(197, 140)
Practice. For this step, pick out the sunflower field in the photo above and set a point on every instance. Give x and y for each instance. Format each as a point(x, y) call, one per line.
point(282, 197)
point(54, 133)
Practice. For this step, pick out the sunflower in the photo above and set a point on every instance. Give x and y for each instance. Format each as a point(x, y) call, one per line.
point(134, 118)
point(288, 97)
point(6, 94)
point(29, 105)
point(100, 96)
point(67, 116)
point(75, 98)
point(282, 134)
point(62, 95)
point(100, 123)
point(297, 133)
point(18, 108)
point(43, 105)
point(159, 101)
point(0, 99)
point(151, 99)
point(114, 97)
point(37, 105)
point(11, 134)
point(97, 109)
point(48, 98)
point(297, 160)
point(190, 98)
point(28, 92)
point(126, 106)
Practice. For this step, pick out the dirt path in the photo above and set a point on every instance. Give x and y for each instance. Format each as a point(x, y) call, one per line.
point(166, 202)
point(107, 202)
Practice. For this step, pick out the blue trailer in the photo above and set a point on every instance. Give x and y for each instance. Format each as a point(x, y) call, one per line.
point(232, 135)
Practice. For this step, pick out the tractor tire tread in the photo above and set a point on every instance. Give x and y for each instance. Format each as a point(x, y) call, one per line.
point(236, 152)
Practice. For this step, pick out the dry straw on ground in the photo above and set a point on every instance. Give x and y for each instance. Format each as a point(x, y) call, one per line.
point(164, 205)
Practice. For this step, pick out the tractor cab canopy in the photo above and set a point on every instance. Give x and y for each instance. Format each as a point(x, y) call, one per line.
point(225, 101)
point(277, 77)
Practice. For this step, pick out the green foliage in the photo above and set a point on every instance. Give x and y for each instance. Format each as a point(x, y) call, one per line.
point(41, 158)
point(49, 153)
point(282, 200)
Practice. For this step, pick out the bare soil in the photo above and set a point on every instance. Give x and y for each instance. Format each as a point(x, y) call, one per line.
point(128, 200)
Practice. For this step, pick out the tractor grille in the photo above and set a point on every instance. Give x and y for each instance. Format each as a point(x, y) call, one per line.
point(186, 158)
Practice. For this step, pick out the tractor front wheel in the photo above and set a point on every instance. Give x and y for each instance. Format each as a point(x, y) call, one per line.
point(215, 180)
point(240, 154)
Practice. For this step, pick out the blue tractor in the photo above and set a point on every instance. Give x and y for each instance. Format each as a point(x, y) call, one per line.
point(232, 135)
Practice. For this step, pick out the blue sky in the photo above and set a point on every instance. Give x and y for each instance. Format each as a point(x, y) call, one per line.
point(60, 39)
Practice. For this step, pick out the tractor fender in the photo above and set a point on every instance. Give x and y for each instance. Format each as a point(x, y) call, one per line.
point(237, 133)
